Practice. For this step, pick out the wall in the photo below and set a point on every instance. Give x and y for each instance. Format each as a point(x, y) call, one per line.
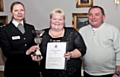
point(37, 11)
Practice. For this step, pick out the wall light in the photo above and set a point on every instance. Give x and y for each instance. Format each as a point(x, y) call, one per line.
point(117, 2)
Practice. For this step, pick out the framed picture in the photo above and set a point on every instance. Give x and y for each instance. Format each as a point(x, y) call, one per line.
point(84, 3)
point(79, 20)
point(3, 20)
point(1, 5)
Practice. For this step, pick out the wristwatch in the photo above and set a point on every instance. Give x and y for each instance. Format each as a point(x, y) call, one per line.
point(117, 73)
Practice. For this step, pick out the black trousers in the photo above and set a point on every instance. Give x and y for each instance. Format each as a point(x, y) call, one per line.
point(76, 74)
point(87, 75)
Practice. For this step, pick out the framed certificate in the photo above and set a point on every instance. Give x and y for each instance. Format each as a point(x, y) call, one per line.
point(55, 55)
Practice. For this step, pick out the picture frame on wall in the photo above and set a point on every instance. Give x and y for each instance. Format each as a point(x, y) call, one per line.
point(79, 20)
point(1, 5)
point(3, 20)
point(84, 3)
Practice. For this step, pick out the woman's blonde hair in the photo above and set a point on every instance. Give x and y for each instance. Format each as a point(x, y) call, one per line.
point(57, 11)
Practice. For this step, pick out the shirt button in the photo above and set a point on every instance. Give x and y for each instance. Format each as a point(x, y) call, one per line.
point(25, 44)
point(24, 38)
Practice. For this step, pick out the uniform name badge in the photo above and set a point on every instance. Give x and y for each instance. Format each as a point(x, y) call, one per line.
point(55, 55)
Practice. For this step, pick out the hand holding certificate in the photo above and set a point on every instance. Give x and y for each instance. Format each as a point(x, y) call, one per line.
point(55, 55)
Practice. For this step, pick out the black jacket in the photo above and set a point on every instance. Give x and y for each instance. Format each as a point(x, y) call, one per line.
point(74, 41)
point(14, 45)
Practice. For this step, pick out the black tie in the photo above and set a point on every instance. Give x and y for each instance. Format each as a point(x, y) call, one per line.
point(21, 28)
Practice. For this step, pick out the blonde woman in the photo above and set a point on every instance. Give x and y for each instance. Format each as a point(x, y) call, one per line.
point(75, 46)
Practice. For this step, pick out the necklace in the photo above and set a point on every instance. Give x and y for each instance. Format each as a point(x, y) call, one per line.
point(55, 34)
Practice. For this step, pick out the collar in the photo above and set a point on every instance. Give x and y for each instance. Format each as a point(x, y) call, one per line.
point(16, 23)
